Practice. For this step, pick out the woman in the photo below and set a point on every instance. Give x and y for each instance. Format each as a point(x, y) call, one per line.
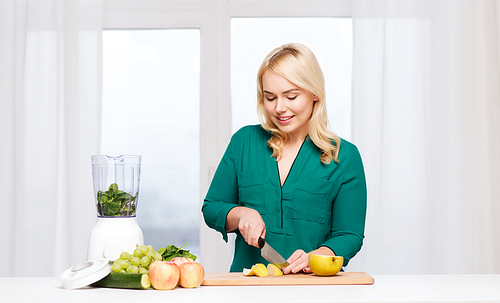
point(289, 180)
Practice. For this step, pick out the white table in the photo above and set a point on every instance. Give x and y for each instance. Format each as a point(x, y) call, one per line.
point(387, 288)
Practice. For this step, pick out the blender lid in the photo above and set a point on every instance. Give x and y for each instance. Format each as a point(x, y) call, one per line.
point(85, 273)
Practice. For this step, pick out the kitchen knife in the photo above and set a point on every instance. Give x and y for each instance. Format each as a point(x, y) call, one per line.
point(271, 255)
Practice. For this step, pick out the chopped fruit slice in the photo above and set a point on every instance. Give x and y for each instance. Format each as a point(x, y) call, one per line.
point(248, 272)
point(260, 270)
point(273, 270)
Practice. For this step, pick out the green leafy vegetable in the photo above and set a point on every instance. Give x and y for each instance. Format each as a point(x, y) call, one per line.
point(172, 251)
point(115, 202)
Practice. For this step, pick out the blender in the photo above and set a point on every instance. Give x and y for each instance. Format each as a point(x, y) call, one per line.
point(116, 191)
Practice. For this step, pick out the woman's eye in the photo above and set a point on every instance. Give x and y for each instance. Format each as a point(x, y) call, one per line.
point(270, 98)
point(292, 97)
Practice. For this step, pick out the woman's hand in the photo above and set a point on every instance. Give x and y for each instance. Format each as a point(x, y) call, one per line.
point(299, 260)
point(249, 222)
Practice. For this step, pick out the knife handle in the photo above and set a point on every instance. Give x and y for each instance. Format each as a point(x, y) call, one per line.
point(261, 242)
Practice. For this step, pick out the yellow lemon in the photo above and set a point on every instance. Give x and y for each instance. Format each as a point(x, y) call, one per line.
point(273, 270)
point(323, 265)
point(260, 270)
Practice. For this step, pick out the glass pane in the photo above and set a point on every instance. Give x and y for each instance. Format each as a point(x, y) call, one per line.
point(151, 107)
point(329, 38)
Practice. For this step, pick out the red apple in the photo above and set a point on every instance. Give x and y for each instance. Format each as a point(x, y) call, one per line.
point(164, 275)
point(180, 260)
point(192, 274)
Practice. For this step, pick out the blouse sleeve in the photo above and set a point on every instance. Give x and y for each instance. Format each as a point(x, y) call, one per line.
point(222, 195)
point(349, 208)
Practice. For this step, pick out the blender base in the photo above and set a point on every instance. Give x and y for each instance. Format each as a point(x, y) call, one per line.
point(112, 236)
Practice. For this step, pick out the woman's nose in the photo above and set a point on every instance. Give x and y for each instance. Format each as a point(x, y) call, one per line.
point(280, 106)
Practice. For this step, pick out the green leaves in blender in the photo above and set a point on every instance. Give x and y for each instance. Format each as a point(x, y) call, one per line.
point(115, 202)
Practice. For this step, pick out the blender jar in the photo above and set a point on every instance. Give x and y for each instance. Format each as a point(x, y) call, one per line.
point(116, 185)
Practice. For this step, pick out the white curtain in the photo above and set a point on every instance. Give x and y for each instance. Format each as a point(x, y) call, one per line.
point(426, 106)
point(49, 128)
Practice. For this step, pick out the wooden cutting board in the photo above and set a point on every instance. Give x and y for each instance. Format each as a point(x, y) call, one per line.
point(238, 279)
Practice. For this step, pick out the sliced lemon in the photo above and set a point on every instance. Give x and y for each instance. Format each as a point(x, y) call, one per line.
point(274, 270)
point(248, 272)
point(260, 270)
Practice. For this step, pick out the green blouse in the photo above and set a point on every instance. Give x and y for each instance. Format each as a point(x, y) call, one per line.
point(318, 205)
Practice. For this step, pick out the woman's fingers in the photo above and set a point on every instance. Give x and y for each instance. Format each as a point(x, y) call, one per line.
point(251, 226)
point(254, 232)
point(299, 261)
point(258, 233)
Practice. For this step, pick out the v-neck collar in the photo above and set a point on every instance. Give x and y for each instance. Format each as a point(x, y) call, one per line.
point(291, 167)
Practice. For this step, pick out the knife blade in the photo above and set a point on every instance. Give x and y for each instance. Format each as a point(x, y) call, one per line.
point(271, 255)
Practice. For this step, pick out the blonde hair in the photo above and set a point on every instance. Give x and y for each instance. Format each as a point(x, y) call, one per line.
point(297, 64)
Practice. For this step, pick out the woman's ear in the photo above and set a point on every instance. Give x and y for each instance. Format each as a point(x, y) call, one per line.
point(315, 98)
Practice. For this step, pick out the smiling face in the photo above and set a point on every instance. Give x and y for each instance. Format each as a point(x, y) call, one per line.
point(288, 106)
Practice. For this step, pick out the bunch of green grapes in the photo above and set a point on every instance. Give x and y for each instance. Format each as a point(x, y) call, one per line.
point(138, 261)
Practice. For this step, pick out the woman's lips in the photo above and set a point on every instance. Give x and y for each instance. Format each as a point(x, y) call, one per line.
point(284, 119)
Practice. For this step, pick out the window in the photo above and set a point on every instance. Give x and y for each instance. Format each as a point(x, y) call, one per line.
point(151, 107)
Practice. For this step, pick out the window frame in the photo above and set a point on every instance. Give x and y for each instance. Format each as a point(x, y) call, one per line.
point(213, 19)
